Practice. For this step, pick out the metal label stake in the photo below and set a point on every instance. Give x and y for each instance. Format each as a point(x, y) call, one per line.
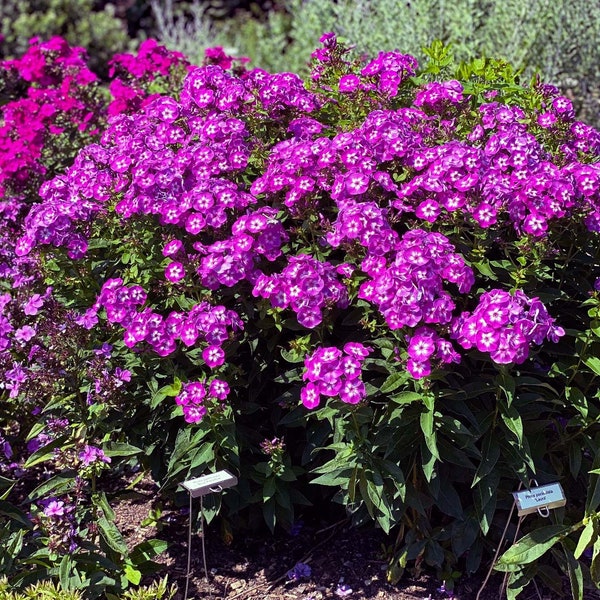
point(213, 483)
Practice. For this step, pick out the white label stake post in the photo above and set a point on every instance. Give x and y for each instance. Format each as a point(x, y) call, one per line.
point(213, 483)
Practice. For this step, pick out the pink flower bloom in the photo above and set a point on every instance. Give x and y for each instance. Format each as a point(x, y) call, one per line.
point(219, 389)
point(175, 272)
point(33, 305)
point(310, 396)
point(55, 508)
point(25, 333)
point(213, 356)
point(349, 83)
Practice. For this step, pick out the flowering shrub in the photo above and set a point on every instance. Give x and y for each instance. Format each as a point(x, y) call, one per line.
point(392, 269)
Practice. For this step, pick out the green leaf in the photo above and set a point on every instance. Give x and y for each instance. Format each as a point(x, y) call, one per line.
point(269, 489)
point(427, 427)
point(593, 495)
point(593, 362)
point(121, 449)
point(47, 452)
point(489, 457)
point(595, 566)
point(577, 398)
point(203, 457)
point(132, 574)
point(485, 500)
point(484, 267)
point(428, 461)
point(64, 572)
point(588, 536)
point(101, 502)
point(406, 397)
point(112, 536)
point(518, 580)
point(512, 420)
point(531, 547)
point(10, 510)
point(393, 382)
point(464, 534)
point(334, 478)
point(147, 550)
point(58, 484)
point(575, 575)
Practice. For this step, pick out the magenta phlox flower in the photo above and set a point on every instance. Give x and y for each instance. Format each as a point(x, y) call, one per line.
point(436, 96)
point(194, 395)
point(213, 356)
point(93, 454)
point(307, 286)
point(389, 70)
point(25, 333)
point(333, 372)
point(174, 272)
point(427, 349)
point(506, 326)
point(410, 290)
point(348, 83)
point(33, 305)
point(218, 389)
point(422, 344)
point(54, 508)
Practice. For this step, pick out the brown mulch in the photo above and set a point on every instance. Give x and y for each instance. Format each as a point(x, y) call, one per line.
point(345, 562)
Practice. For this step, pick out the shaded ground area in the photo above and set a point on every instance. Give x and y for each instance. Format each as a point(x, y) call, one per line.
point(344, 562)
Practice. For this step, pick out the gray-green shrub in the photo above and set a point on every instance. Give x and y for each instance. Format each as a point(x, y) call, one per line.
point(557, 38)
point(100, 32)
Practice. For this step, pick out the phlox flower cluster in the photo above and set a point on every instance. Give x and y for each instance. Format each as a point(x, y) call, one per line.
point(57, 518)
point(505, 326)
point(502, 172)
point(427, 347)
point(365, 222)
point(159, 168)
point(389, 70)
point(60, 98)
point(203, 322)
point(195, 396)
point(91, 455)
point(345, 167)
point(307, 286)
point(133, 75)
point(332, 372)
point(410, 289)
point(437, 95)
point(227, 262)
point(246, 165)
point(383, 75)
point(106, 383)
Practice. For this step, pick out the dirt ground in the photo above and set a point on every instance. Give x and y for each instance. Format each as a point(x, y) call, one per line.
point(344, 562)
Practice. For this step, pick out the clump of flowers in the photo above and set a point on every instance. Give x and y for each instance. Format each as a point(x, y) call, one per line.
point(138, 79)
point(58, 522)
point(332, 372)
point(42, 130)
point(205, 322)
point(195, 397)
point(411, 289)
point(306, 285)
point(505, 326)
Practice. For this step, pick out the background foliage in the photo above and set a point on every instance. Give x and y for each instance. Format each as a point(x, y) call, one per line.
point(558, 39)
point(427, 447)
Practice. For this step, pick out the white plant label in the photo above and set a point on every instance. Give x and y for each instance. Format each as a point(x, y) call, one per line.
point(546, 496)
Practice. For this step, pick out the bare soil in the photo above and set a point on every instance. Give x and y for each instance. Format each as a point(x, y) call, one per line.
point(345, 562)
